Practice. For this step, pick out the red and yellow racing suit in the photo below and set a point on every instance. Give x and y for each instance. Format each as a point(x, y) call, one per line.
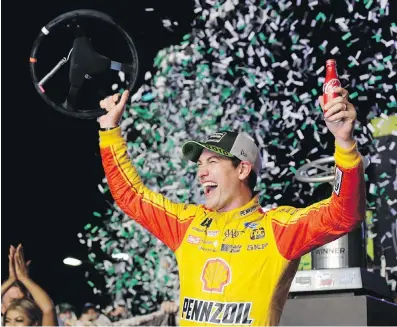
point(236, 267)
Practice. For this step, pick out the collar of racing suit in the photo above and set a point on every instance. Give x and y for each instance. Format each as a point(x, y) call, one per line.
point(244, 211)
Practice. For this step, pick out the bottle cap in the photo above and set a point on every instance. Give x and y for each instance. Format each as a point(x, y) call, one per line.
point(330, 62)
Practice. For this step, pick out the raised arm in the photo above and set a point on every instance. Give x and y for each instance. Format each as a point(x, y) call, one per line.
point(166, 220)
point(298, 231)
point(6, 285)
point(40, 297)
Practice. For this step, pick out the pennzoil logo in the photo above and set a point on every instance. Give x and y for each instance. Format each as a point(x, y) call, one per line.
point(220, 313)
point(288, 210)
point(216, 275)
point(249, 210)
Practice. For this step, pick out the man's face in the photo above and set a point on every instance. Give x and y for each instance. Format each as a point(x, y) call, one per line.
point(13, 293)
point(67, 315)
point(219, 179)
point(92, 314)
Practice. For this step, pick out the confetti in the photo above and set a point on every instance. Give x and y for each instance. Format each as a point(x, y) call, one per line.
point(258, 67)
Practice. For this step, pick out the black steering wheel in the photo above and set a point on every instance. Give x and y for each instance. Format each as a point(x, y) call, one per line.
point(84, 62)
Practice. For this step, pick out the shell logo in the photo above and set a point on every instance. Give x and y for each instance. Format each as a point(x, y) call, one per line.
point(216, 275)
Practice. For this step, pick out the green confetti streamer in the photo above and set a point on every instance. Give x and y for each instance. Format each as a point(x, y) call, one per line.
point(346, 36)
point(321, 16)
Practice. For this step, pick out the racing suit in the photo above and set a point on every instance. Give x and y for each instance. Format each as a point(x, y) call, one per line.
point(236, 267)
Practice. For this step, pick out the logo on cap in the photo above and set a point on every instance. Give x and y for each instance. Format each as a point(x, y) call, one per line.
point(216, 137)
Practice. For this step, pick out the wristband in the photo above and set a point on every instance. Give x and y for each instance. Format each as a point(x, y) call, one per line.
point(104, 129)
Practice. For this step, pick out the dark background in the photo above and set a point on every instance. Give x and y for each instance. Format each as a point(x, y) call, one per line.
point(50, 163)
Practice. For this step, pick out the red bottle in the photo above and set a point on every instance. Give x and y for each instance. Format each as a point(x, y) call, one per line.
point(331, 81)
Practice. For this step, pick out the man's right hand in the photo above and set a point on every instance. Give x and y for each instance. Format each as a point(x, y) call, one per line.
point(114, 110)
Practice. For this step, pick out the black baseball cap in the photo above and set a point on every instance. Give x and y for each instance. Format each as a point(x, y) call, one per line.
point(229, 144)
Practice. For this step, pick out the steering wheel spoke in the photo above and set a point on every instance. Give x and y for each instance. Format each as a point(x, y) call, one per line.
point(121, 67)
point(54, 70)
point(71, 99)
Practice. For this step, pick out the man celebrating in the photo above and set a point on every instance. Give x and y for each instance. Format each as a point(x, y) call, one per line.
point(236, 262)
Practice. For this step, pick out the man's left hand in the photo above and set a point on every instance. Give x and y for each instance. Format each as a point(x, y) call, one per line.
point(340, 116)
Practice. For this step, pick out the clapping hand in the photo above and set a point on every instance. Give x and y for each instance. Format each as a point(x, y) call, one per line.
point(21, 267)
point(12, 276)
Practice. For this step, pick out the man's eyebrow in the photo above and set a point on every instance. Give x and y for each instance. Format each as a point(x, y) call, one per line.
point(212, 157)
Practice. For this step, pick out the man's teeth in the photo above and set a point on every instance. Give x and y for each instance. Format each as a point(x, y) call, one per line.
point(208, 186)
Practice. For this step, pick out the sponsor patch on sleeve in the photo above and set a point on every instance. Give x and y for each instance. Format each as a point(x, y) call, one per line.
point(338, 181)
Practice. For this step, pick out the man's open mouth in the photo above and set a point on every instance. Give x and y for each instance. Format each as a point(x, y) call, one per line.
point(209, 187)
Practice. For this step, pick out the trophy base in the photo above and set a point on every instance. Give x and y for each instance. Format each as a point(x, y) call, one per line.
point(337, 310)
point(340, 280)
point(342, 296)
